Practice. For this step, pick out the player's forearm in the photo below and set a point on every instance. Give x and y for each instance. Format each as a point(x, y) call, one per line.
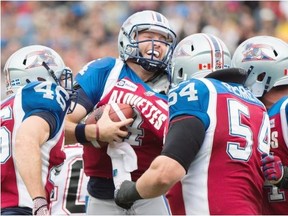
point(70, 137)
point(27, 153)
point(71, 121)
point(163, 173)
point(148, 187)
point(29, 165)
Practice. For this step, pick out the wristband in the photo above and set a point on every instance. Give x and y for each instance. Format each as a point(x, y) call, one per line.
point(80, 133)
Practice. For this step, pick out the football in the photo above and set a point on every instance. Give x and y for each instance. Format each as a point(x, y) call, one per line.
point(117, 112)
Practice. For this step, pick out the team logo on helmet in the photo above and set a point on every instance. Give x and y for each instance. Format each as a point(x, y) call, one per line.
point(258, 52)
point(218, 57)
point(183, 48)
point(41, 56)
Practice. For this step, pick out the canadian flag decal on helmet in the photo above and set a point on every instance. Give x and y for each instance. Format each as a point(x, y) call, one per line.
point(206, 66)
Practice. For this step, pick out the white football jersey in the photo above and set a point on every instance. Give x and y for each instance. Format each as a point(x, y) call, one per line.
point(70, 184)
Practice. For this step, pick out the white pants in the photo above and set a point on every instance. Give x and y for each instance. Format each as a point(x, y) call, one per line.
point(155, 206)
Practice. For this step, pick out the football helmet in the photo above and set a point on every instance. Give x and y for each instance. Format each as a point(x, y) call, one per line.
point(37, 63)
point(128, 42)
point(198, 55)
point(266, 60)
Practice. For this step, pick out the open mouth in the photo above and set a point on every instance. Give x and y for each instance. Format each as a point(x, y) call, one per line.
point(154, 53)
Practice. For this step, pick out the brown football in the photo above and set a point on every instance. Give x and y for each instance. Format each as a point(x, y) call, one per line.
point(118, 112)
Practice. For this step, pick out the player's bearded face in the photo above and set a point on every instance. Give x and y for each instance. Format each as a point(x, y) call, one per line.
point(152, 47)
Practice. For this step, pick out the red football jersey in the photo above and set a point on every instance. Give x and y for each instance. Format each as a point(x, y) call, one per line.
point(225, 176)
point(13, 111)
point(147, 130)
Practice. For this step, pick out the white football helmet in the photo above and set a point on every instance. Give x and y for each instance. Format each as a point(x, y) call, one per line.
point(128, 43)
point(266, 60)
point(198, 55)
point(35, 63)
point(38, 63)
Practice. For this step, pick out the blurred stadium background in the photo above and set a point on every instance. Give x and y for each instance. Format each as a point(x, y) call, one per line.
point(81, 31)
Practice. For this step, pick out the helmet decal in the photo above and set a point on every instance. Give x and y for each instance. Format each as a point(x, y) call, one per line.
point(157, 17)
point(257, 52)
point(217, 56)
point(41, 56)
point(180, 49)
point(266, 59)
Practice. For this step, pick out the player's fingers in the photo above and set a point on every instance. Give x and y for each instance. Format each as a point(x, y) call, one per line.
point(267, 159)
point(106, 110)
point(125, 122)
point(269, 166)
point(269, 172)
point(122, 133)
point(118, 139)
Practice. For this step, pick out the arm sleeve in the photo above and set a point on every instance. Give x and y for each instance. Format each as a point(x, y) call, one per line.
point(184, 139)
point(83, 100)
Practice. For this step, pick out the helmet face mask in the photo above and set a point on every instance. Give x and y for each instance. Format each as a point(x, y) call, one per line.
point(198, 55)
point(37, 63)
point(129, 43)
point(266, 60)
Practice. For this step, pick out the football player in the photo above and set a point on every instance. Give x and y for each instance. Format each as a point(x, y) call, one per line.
point(32, 126)
point(266, 59)
point(217, 132)
point(207, 53)
point(139, 78)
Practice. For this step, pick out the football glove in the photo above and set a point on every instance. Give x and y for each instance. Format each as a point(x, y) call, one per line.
point(40, 206)
point(272, 168)
point(126, 195)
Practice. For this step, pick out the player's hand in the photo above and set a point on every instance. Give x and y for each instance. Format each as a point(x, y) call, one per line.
point(126, 195)
point(110, 131)
point(272, 168)
point(40, 206)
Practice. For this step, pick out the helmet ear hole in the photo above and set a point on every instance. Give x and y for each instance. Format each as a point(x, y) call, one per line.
point(121, 43)
point(192, 48)
point(261, 76)
point(41, 79)
point(180, 73)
